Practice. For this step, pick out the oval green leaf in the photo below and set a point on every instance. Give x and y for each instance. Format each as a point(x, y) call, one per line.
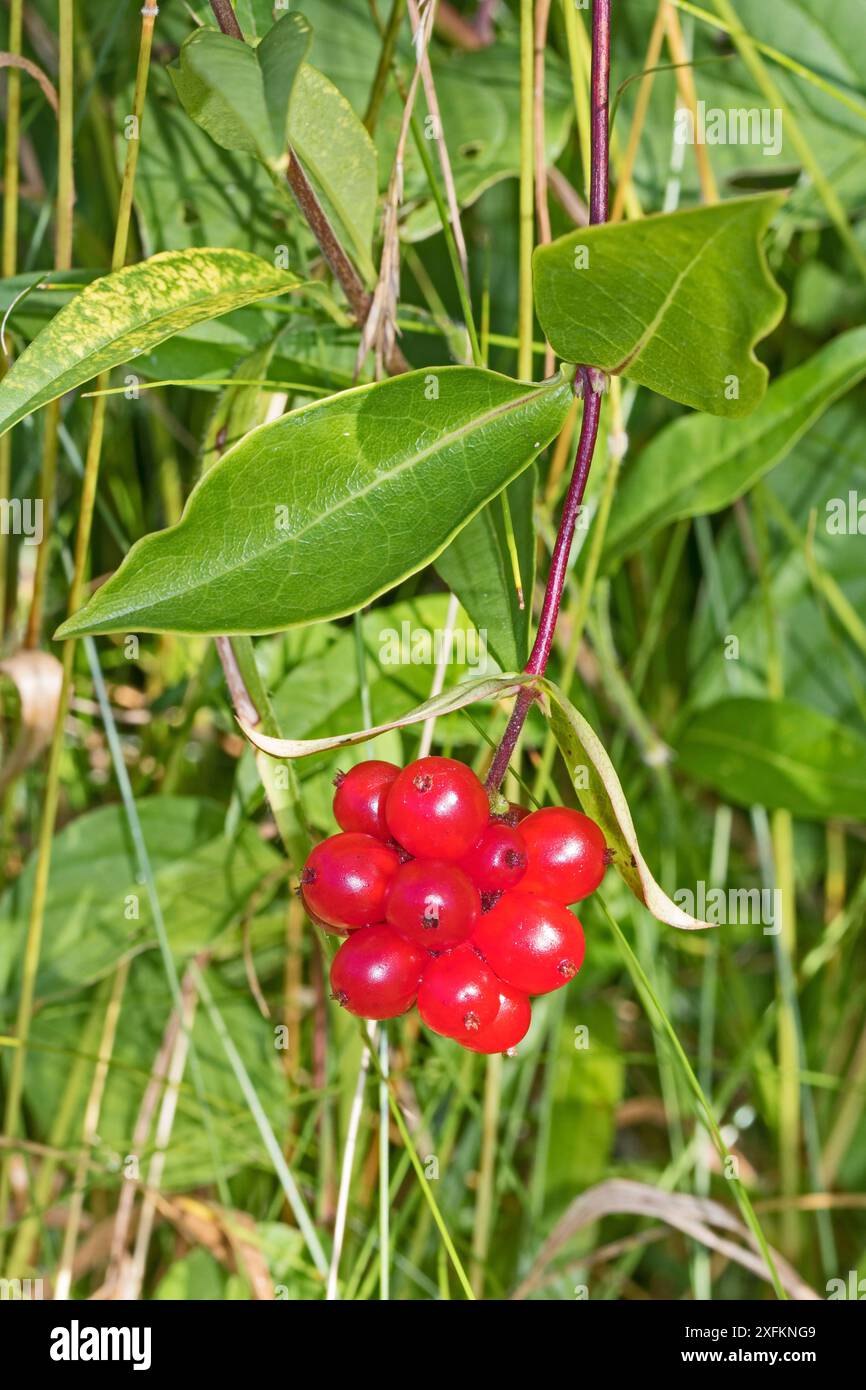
point(699, 465)
point(317, 513)
point(121, 315)
point(779, 754)
point(675, 302)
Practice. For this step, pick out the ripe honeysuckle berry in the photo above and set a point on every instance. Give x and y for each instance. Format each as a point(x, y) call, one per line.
point(508, 1028)
point(346, 878)
point(437, 808)
point(433, 903)
point(359, 801)
point(534, 945)
point(498, 861)
point(376, 973)
point(566, 854)
point(458, 995)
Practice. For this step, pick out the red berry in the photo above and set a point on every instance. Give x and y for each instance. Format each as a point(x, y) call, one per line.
point(566, 852)
point(533, 945)
point(508, 1028)
point(376, 972)
point(458, 995)
point(498, 861)
point(346, 878)
point(359, 802)
point(437, 808)
point(433, 903)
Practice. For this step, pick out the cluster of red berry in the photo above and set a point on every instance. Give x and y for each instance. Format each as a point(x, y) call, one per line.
point(441, 901)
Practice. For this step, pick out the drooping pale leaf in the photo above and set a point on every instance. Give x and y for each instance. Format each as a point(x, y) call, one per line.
point(675, 302)
point(340, 158)
point(239, 94)
point(92, 922)
point(600, 794)
point(458, 697)
point(477, 567)
point(128, 312)
point(777, 753)
point(317, 513)
point(700, 464)
point(596, 783)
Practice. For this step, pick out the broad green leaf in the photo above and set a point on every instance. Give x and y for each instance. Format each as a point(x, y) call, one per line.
point(699, 464)
point(339, 157)
point(128, 312)
point(600, 793)
point(777, 753)
point(317, 513)
point(97, 913)
point(675, 302)
point(239, 94)
point(477, 567)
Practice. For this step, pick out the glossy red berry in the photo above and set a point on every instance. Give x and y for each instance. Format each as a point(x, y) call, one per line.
point(508, 1028)
point(458, 995)
point(498, 861)
point(346, 878)
point(359, 801)
point(567, 855)
point(376, 973)
point(433, 903)
point(533, 945)
point(437, 808)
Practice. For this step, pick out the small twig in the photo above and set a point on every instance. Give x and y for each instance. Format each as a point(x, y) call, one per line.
point(226, 18)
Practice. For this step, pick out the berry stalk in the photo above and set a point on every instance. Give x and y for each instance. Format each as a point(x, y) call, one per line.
point(592, 384)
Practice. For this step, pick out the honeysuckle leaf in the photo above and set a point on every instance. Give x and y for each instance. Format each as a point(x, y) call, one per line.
point(119, 316)
point(600, 793)
point(317, 513)
point(699, 464)
point(239, 94)
point(778, 753)
point(675, 302)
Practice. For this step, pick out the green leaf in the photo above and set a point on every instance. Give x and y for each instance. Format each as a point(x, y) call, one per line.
point(128, 312)
point(601, 795)
point(675, 302)
point(219, 83)
point(340, 158)
point(314, 515)
point(240, 95)
point(778, 753)
point(699, 464)
point(97, 912)
point(477, 568)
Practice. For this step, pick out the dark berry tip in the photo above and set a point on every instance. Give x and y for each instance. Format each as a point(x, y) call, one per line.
point(567, 969)
point(340, 778)
point(515, 859)
point(471, 1022)
point(307, 876)
point(489, 900)
point(423, 782)
point(340, 997)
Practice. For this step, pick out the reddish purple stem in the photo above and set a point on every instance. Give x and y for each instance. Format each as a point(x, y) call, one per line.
point(591, 383)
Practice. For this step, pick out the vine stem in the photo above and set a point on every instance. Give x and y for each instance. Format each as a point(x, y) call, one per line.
point(9, 253)
point(591, 382)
